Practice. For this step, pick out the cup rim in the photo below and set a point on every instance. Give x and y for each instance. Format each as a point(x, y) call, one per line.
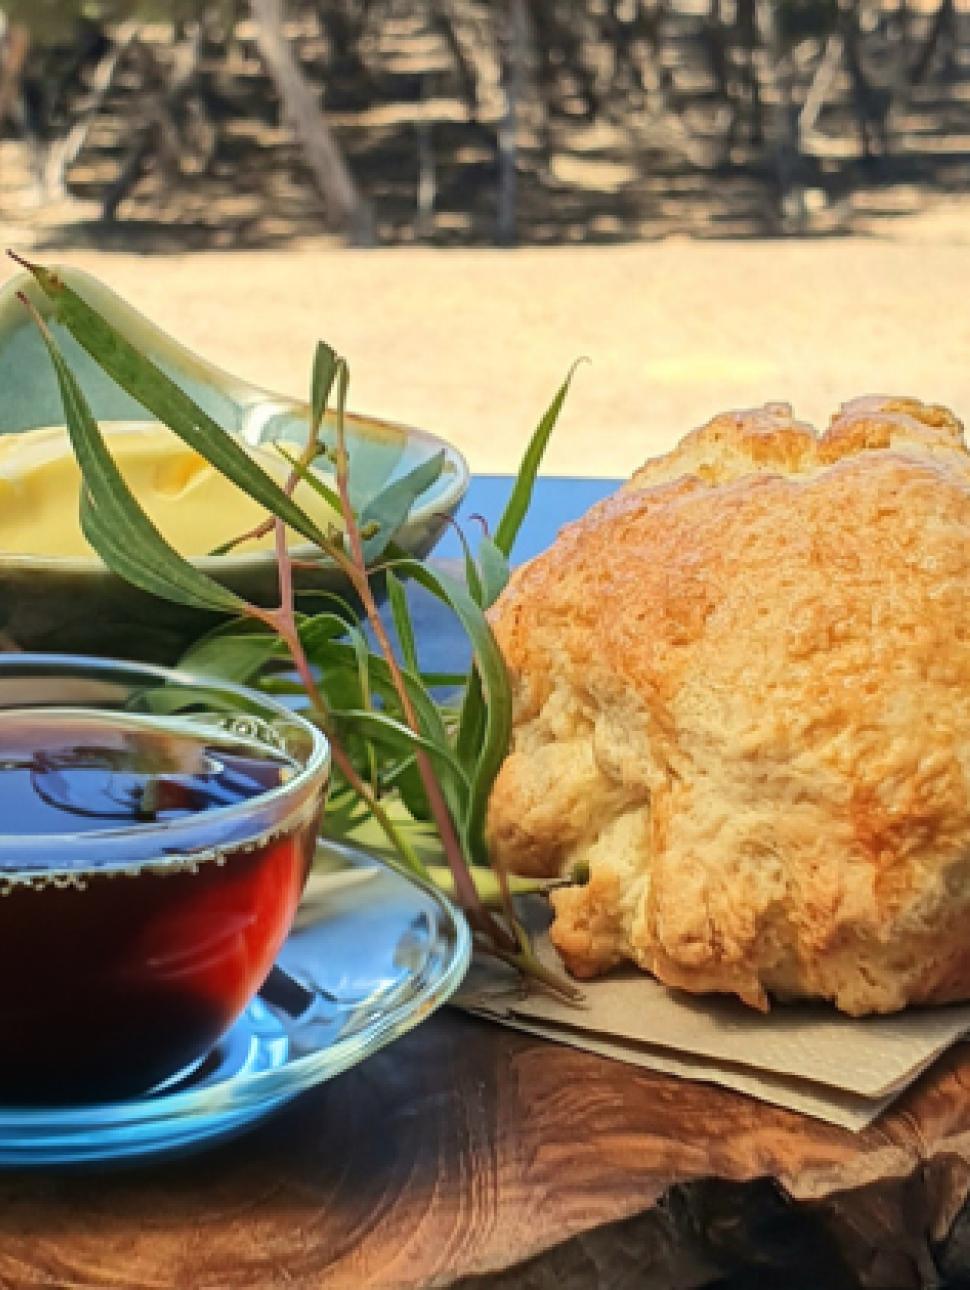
point(315, 768)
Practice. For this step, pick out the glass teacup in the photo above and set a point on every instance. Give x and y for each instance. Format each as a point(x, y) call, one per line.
point(157, 832)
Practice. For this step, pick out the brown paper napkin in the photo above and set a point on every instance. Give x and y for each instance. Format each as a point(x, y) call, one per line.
point(807, 1058)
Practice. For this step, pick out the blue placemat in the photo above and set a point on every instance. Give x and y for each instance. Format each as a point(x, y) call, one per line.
point(556, 500)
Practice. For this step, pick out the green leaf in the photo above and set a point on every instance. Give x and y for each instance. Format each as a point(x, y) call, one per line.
point(407, 783)
point(368, 833)
point(471, 721)
point(149, 386)
point(428, 713)
point(313, 480)
point(518, 504)
point(482, 733)
point(310, 477)
point(497, 695)
point(494, 569)
point(337, 662)
point(345, 813)
point(389, 509)
point(401, 614)
point(401, 733)
point(325, 364)
point(342, 607)
point(181, 700)
point(472, 579)
point(238, 657)
point(358, 643)
point(111, 518)
point(489, 885)
point(443, 680)
point(318, 631)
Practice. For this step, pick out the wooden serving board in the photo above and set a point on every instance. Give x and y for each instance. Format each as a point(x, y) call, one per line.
point(468, 1155)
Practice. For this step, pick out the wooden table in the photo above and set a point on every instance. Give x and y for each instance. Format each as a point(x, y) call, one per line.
point(468, 1155)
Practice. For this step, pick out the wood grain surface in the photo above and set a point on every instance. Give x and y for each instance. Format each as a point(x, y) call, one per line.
point(469, 1155)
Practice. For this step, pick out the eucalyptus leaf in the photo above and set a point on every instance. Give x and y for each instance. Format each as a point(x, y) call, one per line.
point(397, 733)
point(183, 700)
point(496, 692)
point(401, 614)
point(154, 390)
point(131, 555)
point(398, 751)
point(113, 521)
point(476, 730)
point(367, 833)
point(428, 713)
point(472, 579)
point(276, 684)
point(443, 680)
point(388, 510)
point(392, 776)
point(337, 662)
point(407, 784)
point(324, 374)
point(345, 813)
point(489, 884)
point(358, 643)
point(471, 721)
point(521, 498)
point(342, 607)
point(321, 629)
point(494, 571)
point(310, 477)
point(239, 657)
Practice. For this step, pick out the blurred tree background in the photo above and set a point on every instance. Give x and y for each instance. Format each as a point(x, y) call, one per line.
point(248, 122)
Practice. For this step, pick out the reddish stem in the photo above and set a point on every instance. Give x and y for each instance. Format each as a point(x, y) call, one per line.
point(292, 479)
point(283, 622)
point(465, 889)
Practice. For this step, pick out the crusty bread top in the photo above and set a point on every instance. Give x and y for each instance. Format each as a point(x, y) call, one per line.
point(742, 698)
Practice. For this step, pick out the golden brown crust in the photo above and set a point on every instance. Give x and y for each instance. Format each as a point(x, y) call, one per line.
point(742, 698)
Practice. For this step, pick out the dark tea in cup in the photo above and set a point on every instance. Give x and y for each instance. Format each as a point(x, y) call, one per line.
point(150, 869)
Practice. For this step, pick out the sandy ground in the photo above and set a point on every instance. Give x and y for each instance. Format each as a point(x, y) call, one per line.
point(471, 344)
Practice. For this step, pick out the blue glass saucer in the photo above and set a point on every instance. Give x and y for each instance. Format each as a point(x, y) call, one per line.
point(372, 954)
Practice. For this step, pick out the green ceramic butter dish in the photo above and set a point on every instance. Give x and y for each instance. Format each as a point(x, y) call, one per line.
point(70, 602)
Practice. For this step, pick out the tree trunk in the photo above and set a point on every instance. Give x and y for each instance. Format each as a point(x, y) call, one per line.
point(443, 21)
point(65, 151)
point(160, 132)
point(747, 25)
point(784, 135)
point(14, 52)
point(427, 185)
point(822, 84)
point(346, 209)
point(942, 28)
point(16, 46)
point(513, 45)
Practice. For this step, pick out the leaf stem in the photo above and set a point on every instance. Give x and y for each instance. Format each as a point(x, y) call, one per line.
point(284, 624)
point(526, 963)
point(465, 890)
point(260, 530)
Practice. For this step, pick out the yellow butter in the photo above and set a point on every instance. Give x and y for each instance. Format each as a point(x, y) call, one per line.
point(195, 507)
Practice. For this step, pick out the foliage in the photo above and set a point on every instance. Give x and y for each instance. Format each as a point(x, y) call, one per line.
point(401, 758)
point(750, 86)
point(50, 20)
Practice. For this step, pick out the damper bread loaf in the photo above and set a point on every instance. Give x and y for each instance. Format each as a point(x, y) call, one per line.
point(742, 703)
